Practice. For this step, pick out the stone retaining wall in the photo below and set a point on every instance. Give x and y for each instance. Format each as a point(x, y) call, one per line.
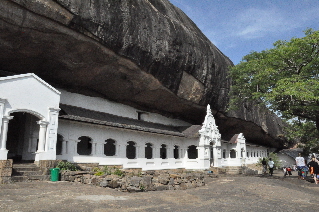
point(135, 181)
point(5, 171)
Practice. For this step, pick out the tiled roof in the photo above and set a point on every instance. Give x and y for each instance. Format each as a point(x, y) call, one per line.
point(229, 138)
point(94, 117)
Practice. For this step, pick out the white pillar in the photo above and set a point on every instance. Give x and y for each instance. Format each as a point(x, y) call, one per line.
point(64, 147)
point(75, 147)
point(2, 104)
point(121, 150)
point(4, 132)
point(169, 152)
point(142, 152)
point(93, 149)
point(42, 135)
point(156, 152)
point(99, 149)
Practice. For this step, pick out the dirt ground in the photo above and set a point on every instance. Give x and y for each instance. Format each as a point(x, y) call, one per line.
point(227, 193)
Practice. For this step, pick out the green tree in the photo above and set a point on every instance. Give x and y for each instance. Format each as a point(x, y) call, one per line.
point(305, 133)
point(284, 78)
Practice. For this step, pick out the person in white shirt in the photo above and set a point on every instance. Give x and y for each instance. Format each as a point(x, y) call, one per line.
point(300, 163)
point(271, 166)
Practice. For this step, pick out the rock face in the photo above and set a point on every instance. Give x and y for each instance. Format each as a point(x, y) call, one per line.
point(145, 53)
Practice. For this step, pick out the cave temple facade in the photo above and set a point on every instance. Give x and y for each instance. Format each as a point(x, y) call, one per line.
point(39, 122)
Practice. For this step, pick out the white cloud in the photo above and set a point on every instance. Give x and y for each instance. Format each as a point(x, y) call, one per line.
point(257, 23)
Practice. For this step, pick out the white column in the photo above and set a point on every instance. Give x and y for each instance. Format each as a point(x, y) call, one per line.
point(93, 149)
point(64, 147)
point(142, 152)
point(4, 132)
point(42, 135)
point(169, 152)
point(156, 151)
point(52, 127)
point(137, 151)
point(2, 104)
point(99, 149)
point(75, 147)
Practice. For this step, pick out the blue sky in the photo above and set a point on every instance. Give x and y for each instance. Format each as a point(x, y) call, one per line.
point(238, 27)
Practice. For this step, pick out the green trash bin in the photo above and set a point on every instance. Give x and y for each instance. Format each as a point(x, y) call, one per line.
point(55, 172)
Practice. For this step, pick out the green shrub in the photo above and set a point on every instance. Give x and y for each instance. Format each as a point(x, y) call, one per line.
point(96, 169)
point(118, 172)
point(107, 170)
point(62, 165)
point(99, 173)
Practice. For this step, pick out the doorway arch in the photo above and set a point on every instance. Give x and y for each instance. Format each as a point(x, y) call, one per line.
point(22, 136)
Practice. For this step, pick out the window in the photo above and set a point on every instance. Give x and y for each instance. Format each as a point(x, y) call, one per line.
point(109, 147)
point(176, 152)
point(131, 150)
point(224, 153)
point(84, 146)
point(192, 152)
point(232, 153)
point(163, 154)
point(148, 151)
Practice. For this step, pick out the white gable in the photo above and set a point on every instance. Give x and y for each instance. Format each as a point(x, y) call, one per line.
point(27, 92)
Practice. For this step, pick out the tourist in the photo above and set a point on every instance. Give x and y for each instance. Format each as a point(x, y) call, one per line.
point(314, 167)
point(271, 166)
point(300, 163)
point(264, 163)
point(287, 171)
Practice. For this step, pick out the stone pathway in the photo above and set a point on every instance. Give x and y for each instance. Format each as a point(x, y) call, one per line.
point(228, 193)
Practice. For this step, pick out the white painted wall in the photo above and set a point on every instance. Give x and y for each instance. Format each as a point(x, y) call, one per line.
point(27, 92)
point(71, 131)
point(106, 106)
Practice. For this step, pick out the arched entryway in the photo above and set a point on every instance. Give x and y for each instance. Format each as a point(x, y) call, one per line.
point(22, 136)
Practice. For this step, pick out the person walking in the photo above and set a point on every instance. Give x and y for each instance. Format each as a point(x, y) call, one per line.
point(271, 166)
point(314, 166)
point(264, 163)
point(300, 163)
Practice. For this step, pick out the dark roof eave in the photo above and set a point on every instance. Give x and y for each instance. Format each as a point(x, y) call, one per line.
point(124, 126)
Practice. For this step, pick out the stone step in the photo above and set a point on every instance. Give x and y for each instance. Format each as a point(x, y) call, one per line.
point(30, 178)
point(19, 178)
point(23, 164)
point(39, 177)
point(22, 169)
point(25, 167)
point(26, 173)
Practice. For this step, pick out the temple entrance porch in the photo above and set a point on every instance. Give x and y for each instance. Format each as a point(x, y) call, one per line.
point(22, 137)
